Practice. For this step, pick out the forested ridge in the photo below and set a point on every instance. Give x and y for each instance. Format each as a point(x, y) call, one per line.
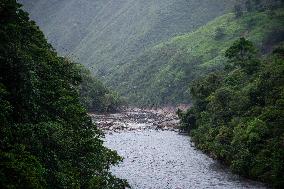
point(47, 139)
point(237, 114)
point(162, 74)
point(95, 96)
point(222, 59)
point(150, 51)
point(108, 36)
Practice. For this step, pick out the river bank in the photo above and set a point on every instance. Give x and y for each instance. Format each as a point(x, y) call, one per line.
point(156, 156)
point(137, 120)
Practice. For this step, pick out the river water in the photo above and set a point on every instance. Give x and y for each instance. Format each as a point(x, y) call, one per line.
point(156, 156)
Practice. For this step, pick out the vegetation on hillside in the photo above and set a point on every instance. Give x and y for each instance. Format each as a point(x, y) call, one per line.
point(238, 112)
point(106, 34)
point(95, 96)
point(163, 74)
point(47, 140)
point(131, 45)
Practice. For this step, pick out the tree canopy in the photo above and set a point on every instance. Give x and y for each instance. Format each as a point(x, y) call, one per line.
point(238, 113)
point(47, 139)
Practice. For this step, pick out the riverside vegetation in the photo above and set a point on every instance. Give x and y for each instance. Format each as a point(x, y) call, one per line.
point(151, 51)
point(172, 65)
point(238, 112)
point(47, 138)
point(95, 96)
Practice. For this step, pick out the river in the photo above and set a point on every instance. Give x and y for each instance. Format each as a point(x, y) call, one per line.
point(157, 156)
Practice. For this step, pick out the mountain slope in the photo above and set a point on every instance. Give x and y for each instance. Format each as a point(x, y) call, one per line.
point(47, 138)
point(147, 50)
point(163, 73)
point(105, 34)
point(237, 113)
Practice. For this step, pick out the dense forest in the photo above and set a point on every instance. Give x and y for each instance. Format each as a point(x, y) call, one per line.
point(150, 51)
point(162, 74)
point(95, 96)
point(47, 138)
point(238, 113)
point(222, 59)
point(108, 36)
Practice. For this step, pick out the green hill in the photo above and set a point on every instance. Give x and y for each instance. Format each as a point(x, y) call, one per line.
point(47, 138)
point(105, 34)
point(149, 51)
point(163, 73)
point(237, 113)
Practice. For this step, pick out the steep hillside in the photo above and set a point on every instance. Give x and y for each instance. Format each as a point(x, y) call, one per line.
point(105, 34)
point(163, 73)
point(150, 50)
point(237, 113)
point(47, 138)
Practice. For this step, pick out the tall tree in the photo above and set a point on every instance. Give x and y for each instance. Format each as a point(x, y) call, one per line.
point(47, 138)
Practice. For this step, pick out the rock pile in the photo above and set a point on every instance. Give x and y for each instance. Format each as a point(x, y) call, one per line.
point(136, 119)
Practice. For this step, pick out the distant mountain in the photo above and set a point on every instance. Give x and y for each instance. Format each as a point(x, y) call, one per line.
point(163, 73)
point(105, 34)
point(150, 50)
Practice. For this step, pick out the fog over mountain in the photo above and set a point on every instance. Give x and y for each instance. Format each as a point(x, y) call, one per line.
point(95, 92)
point(104, 34)
point(149, 50)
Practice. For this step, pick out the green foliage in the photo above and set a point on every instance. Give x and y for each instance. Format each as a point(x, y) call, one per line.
point(123, 29)
point(47, 139)
point(152, 57)
point(261, 5)
point(20, 169)
point(95, 96)
point(187, 120)
point(239, 113)
point(219, 33)
point(162, 74)
point(243, 54)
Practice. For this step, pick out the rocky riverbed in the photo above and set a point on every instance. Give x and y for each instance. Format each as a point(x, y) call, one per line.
point(137, 120)
point(157, 156)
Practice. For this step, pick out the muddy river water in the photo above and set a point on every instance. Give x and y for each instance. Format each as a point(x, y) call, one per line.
point(157, 156)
